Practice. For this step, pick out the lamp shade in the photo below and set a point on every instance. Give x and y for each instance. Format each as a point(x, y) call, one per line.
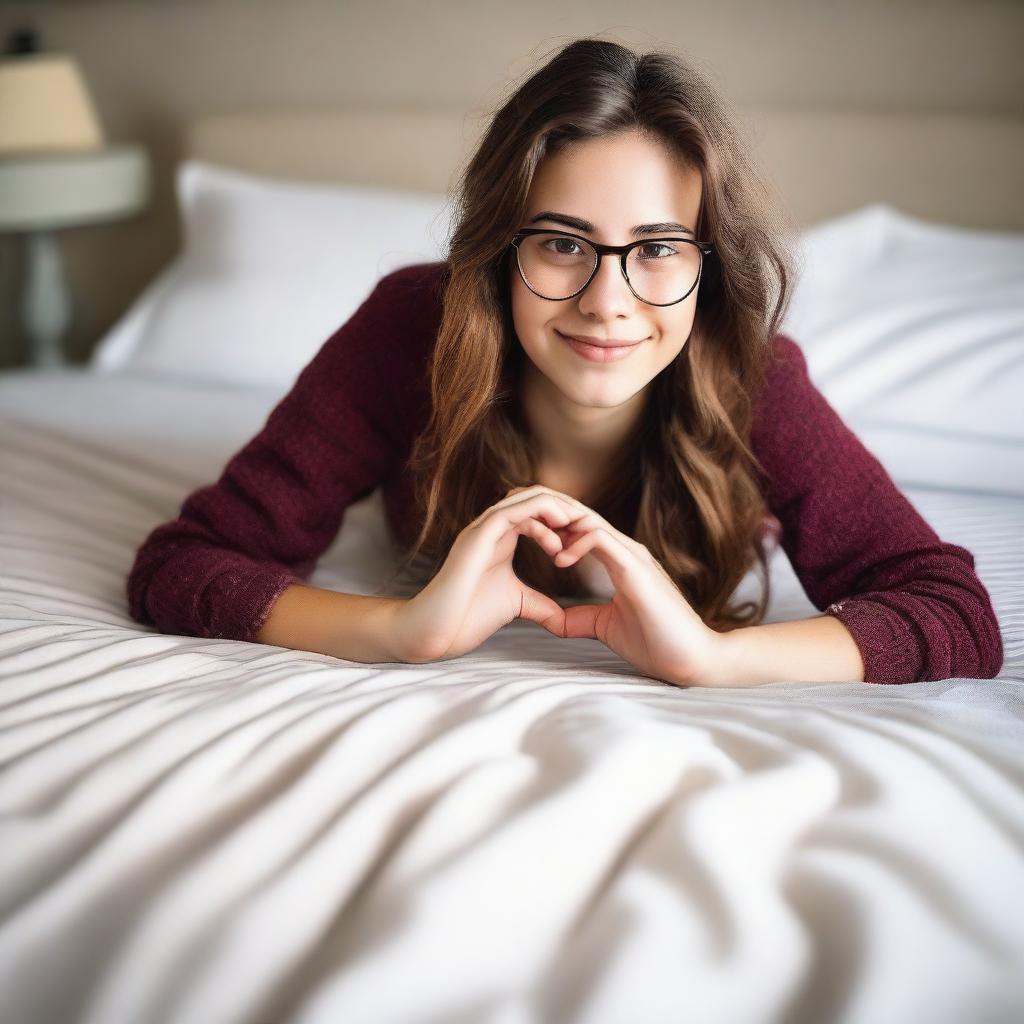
point(71, 189)
point(45, 106)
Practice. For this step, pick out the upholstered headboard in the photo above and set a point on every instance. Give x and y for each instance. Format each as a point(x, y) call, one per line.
point(963, 169)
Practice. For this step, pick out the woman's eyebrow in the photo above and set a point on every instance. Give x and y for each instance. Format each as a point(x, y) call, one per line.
point(584, 225)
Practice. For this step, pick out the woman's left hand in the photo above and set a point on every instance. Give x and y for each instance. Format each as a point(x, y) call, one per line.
point(648, 621)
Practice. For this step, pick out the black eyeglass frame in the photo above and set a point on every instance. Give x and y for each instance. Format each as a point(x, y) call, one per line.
point(622, 251)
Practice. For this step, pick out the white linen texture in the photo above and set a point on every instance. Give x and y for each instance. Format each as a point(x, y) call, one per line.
point(205, 830)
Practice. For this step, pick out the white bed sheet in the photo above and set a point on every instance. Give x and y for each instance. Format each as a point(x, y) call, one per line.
point(204, 830)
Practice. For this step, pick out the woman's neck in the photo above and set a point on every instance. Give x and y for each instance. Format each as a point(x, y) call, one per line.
point(575, 444)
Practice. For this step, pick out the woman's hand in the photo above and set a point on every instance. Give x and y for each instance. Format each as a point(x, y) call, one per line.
point(648, 621)
point(476, 591)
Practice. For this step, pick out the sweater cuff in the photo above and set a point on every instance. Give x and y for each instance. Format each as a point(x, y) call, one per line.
point(889, 647)
point(238, 601)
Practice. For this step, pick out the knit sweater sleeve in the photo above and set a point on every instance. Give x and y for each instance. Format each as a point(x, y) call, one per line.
point(216, 569)
point(913, 603)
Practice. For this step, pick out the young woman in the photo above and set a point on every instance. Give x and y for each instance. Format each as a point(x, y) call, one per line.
point(597, 369)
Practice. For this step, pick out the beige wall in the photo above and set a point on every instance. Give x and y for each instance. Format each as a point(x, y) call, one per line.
point(154, 64)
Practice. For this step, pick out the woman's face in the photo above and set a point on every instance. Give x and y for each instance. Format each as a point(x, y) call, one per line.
point(613, 184)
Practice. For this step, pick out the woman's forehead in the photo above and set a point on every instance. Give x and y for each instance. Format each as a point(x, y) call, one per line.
point(611, 207)
point(616, 169)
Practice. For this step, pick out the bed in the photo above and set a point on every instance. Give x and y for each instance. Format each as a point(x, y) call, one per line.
point(205, 830)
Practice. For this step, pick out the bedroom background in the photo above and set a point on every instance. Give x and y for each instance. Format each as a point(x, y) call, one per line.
point(932, 86)
point(200, 829)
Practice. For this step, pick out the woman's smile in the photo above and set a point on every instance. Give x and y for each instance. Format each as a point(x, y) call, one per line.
point(597, 353)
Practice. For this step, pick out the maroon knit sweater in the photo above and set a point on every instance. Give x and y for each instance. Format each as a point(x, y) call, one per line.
point(914, 604)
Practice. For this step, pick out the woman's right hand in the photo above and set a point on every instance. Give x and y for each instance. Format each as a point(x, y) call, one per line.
point(476, 592)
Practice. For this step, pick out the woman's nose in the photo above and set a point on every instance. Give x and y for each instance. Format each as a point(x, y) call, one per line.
point(608, 295)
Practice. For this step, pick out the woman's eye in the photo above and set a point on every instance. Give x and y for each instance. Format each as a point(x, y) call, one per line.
point(563, 241)
point(669, 251)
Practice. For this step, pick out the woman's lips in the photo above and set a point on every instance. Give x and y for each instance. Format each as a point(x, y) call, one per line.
point(595, 353)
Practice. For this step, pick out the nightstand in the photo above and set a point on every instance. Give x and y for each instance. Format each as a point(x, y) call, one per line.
point(56, 172)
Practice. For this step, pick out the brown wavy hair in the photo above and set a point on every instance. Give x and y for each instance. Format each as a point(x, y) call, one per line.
point(687, 486)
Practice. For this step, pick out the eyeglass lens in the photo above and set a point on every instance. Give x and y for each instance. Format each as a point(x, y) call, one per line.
point(557, 266)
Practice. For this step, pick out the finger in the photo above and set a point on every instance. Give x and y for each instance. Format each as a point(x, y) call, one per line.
point(594, 518)
point(539, 608)
point(627, 570)
point(541, 533)
point(544, 489)
point(513, 499)
point(582, 527)
point(628, 542)
point(546, 507)
point(582, 622)
point(587, 519)
point(522, 493)
point(609, 550)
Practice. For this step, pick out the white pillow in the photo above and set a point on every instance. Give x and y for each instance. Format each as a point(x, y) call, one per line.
point(914, 332)
point(923, 322)
point(116, 348)
point(270, 268)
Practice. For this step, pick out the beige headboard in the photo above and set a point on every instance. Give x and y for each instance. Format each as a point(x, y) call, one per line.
point(963, 169)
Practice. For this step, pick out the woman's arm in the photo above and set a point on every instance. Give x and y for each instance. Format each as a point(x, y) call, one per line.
point(819, 649)
point(912, 602)
point(353, 627)
point(344, 428)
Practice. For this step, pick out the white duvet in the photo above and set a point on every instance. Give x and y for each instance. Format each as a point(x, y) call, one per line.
point(208, 832)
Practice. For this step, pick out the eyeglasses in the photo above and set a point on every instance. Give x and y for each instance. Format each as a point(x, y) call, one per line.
point(557, 265)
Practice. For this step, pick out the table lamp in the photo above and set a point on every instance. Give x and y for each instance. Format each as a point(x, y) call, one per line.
point(56, 172)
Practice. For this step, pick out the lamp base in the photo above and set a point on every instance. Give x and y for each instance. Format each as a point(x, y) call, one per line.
point(46, 303)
